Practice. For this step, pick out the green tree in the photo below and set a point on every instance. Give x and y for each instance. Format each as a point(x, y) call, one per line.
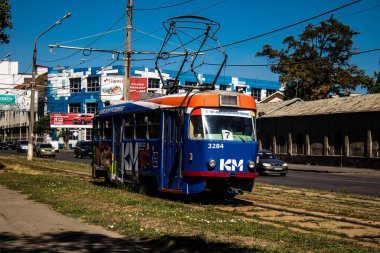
point(43, 125)
point(316, 64)
point(65, 134)
point(5, 17)
point(373, 85)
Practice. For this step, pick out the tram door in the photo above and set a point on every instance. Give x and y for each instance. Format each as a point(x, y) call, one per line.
point(171, 152)
point(116, 149)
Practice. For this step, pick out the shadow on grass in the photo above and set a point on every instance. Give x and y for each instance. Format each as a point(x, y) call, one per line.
point(89, 242)
point(205, 198)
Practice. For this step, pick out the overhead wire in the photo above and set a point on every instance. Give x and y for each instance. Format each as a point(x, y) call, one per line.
point(286, 27)
point(291, 63)
point(163, 7)
point(89, 44)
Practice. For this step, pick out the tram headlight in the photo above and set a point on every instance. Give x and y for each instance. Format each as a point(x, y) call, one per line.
point(211, 163)
point(251, 165)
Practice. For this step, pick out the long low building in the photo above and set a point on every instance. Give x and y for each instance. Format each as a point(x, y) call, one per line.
point(341, 131)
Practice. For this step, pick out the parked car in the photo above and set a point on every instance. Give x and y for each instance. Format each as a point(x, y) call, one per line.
point(83, 119)
point(3, 145)
point(45, 149)
point(270, 164)
point(10, 144)
point(83, 148)
point(22, 146)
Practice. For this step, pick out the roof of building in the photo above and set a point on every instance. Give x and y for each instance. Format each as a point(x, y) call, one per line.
point(275, 97)
point(297, 107)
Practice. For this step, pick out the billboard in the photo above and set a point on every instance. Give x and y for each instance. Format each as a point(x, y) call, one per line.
point(71, 120)
point(139, 84)
point(12, 99)
point(111, 88)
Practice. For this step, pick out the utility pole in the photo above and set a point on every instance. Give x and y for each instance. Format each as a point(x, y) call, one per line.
point(127, 53)
point(32, 87)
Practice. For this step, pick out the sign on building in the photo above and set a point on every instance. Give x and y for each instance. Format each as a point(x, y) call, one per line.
point(111, 88)
point(19, 100)
point(71, 120)
point(139, 84)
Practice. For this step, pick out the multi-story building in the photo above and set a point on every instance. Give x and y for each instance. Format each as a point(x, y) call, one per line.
point(86, 90)
point(15, 101)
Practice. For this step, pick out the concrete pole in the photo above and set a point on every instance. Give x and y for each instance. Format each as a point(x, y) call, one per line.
point(127, 53)
point(34, 72)
point(369, 144)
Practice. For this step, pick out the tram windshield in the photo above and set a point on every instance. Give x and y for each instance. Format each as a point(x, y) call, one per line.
point(222, 124)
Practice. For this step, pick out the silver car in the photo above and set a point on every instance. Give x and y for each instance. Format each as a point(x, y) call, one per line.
point(45, 149)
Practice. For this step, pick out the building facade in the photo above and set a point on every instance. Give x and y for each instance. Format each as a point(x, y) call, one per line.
point(14, 116)
point(337, 131)
point(86, 90)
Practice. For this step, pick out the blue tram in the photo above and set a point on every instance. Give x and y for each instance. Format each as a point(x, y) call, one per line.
point(181, 143)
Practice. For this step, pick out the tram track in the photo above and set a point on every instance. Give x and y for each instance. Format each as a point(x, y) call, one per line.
point(361, 231)
point(257, 207)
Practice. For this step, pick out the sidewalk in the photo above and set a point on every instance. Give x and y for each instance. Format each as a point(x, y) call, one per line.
point(27, 226)
point(332, 169)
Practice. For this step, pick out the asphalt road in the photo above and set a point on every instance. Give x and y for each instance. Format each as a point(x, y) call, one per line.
point(350, 182)
point(364, 184)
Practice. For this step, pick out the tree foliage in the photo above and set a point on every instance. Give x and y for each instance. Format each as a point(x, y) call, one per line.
point(316, 64)
point(373, 85)
point(65, 134)
point(43, 125)
point(5, 21)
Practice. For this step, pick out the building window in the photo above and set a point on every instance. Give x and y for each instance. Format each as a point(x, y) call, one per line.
point(72, 136)
point(190, 83)
point(256, 92)
point(75, 84)
point(92, 83)
point(270, 92)
point(91, 107)
point(240, 89)
point(88, 134)
point(222, 87)
point(153, 83)
point(74, 108)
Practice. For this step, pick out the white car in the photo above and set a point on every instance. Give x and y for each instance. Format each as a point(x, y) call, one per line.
point(22, 146)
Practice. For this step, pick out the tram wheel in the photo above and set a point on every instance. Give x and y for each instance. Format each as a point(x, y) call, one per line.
point(107, 180)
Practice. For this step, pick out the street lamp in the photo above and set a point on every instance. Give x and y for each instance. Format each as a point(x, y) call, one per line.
point(34, 70)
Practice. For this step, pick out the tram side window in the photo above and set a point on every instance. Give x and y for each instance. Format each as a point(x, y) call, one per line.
point(196, 125)
point(154, 124)
point(129, 126)
point(141, 125)
point(107, 130)
point(97, 130)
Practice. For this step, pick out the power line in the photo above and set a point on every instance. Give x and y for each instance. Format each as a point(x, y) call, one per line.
point(162, 7)
point(292, 63)
point(92, 42)
point(285, 27)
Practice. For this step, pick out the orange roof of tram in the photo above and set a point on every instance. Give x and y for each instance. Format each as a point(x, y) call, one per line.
point(207, 98)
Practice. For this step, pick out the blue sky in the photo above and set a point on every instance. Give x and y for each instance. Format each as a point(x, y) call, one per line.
point(239, 19)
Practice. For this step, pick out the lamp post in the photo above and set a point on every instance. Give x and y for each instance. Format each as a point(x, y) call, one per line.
point(34, 70)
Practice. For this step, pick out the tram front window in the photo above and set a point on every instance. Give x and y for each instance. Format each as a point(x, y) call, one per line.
point(222, 124)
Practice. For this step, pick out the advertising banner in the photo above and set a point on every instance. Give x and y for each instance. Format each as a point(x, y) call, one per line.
point(71, 120)
point(139, 84)
point(7, 99)
point(111, 88)
point(11, 99)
